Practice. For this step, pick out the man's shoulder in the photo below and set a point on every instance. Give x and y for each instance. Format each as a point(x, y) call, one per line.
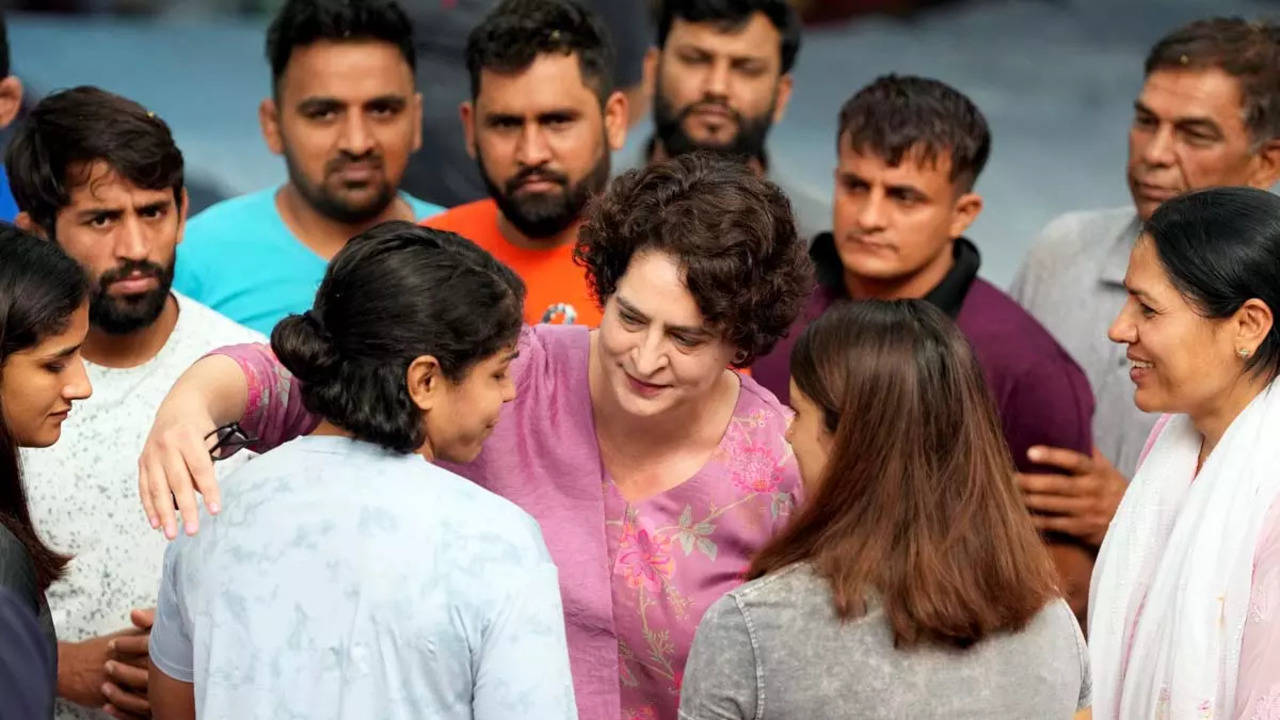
point(996, 324)
point(236, 211)
point(422, 209)
point(1082, 231)
point(202, 324)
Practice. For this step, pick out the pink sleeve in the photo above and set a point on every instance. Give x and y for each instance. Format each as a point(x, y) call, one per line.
point(1258, 684)
point(274, 413)
point(1151, 439)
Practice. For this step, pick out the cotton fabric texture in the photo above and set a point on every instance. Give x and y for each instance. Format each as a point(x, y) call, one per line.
point(345, 581)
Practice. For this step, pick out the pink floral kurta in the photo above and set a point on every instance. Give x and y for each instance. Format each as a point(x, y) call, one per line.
point(676, 553)
point(635, 579)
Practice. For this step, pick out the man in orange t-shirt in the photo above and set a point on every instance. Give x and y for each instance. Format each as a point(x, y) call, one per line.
point(542, 120)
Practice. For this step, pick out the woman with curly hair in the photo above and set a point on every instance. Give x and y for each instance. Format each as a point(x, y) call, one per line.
point(654, 470)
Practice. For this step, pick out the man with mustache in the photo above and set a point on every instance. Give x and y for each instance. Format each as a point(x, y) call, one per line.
point(1208, 114)
point(345, 116)
point(101, 176)
point(720, 75)
point(542, 119)
point(910, 152)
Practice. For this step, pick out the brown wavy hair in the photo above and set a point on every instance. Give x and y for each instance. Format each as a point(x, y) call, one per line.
point(918, 503)
point(731, 232)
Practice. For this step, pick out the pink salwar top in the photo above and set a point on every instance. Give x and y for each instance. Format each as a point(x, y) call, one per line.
point(635, 578)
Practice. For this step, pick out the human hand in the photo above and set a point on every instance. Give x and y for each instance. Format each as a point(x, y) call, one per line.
point(1079, 503)
point(175, 465)
point(126, 687)
point(82, 667)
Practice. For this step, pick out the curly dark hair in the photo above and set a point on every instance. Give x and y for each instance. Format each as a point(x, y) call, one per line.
point(393, 293)
point(731, 232)
point(516, 32)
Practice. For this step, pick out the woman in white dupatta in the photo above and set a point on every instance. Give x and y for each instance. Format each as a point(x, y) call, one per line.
point(1185, 607)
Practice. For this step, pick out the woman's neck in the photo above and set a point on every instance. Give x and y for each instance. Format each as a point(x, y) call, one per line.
point(1212, 423)
point(329, 429)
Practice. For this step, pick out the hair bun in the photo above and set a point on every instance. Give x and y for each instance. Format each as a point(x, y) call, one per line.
point(304, 346)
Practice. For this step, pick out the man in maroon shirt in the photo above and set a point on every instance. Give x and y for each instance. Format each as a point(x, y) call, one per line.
point(910, 150)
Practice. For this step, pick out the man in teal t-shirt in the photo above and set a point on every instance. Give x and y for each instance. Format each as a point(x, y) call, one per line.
point(344, 115)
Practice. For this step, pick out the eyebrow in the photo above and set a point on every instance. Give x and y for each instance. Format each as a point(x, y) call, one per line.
point(688, 46)
point(1138, 293)
point(1194, 120)
point(684, 329)
point(64, 353)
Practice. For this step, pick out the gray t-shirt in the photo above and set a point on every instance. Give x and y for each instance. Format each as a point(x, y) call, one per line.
point(344, 581)
point(1072, 281)
point(774, 648)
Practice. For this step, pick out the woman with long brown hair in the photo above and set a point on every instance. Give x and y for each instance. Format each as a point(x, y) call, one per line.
point(913, 583)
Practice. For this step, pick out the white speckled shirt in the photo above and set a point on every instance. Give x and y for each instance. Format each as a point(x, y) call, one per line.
point(84, 490)
point(345, 581)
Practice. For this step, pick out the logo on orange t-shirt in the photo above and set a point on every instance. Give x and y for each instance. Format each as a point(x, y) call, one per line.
point(556, 288)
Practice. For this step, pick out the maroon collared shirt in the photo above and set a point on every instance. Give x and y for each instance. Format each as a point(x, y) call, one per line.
point(1042, 396)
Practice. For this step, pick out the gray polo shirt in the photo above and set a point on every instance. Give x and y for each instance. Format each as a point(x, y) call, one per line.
point(1072, 281)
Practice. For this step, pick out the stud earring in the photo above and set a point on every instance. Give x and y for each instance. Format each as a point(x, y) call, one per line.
point(1243, 353)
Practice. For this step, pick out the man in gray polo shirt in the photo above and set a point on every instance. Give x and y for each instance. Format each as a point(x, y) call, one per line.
point(1208, 115)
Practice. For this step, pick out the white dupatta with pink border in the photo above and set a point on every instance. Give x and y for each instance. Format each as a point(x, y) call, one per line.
point(1171, 586)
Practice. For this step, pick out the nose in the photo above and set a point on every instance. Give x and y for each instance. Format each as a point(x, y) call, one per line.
point(78, 386)
point(872, 215)
point(356, 139)
point(717, 79)
point(533, 149)
point(648, 355)
point(1159, 151)
point(508, 389)
point(131, 240)
point(1123, 329)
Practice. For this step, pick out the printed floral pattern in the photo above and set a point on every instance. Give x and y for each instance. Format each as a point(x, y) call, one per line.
point(676, 553)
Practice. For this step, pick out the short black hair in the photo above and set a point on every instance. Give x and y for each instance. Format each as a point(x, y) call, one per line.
point(1221, 247)
point(733, 14)
point(74, 128)
point(516, 32)
point(304, 22)
point(900, 114)
point(4, 48)
point(730, 231)
point(393, 293)
point(1247, 50)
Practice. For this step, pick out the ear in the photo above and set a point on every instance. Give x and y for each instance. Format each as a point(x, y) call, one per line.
point(10, 99)
point(417, 122)
point(269, 119)
point(425, 382)
point(785, 84)
point(1253, 321)
point(185, 204)
point(24, 222)
point(466, 114)
point(967, 208)
point(616, 118)
point(1266, 171)
point(649, 76)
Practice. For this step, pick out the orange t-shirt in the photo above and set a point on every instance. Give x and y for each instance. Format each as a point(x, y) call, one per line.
point(556, 287)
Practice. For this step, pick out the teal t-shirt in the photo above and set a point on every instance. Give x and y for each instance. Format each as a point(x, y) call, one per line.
point(239, 258)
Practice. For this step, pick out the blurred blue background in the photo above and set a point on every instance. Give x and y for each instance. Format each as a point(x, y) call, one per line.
point(1056, 81)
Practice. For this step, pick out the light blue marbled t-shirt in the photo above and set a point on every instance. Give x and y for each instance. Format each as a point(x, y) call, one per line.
point(341, 580)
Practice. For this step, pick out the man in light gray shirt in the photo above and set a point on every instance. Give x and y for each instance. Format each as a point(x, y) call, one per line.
point(1208, 115)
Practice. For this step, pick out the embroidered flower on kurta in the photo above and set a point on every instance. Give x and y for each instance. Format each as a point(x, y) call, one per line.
point(754, 466)
point(645, 560)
